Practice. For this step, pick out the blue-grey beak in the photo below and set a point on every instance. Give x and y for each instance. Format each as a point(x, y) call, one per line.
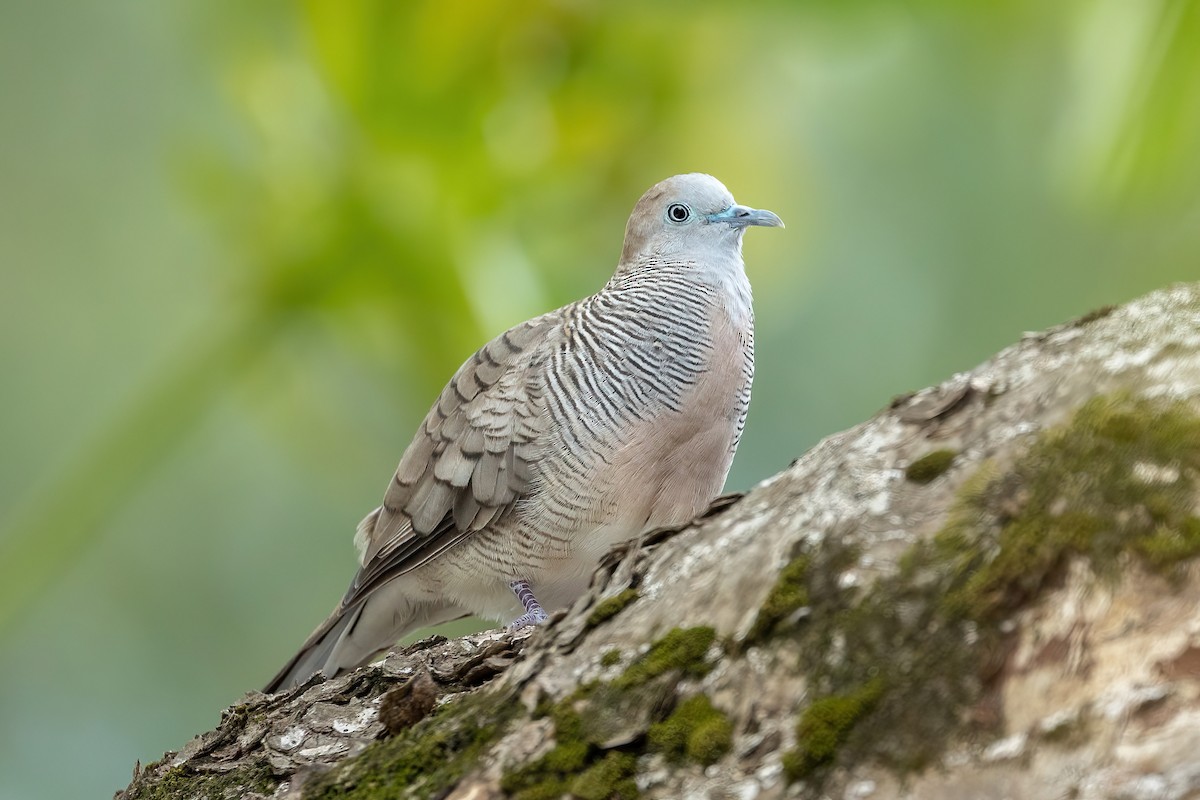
point(744, 216)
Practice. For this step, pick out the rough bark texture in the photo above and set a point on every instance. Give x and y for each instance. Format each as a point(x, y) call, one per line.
point(987, 590)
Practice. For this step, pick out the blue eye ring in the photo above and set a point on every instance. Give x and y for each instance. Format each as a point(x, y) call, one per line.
point(678, 213)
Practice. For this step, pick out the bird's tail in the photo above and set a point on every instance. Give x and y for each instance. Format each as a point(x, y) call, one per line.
point(315, 655)
point(356, 633)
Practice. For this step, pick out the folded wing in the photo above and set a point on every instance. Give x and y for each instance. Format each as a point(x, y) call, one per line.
point(469, 463)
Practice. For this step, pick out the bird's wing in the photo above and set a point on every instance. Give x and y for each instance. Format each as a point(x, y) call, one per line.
point(469, 462)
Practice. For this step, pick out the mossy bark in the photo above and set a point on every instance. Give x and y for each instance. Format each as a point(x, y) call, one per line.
point(988, 587)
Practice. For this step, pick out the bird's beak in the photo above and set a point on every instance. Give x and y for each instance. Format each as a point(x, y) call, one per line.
point(744, 216)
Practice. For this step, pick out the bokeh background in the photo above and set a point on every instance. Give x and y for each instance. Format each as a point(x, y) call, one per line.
point(243, 244)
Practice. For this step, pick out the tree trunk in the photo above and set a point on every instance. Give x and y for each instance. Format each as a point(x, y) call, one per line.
point(989, 589)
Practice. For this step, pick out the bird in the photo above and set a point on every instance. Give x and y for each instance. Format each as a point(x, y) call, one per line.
point(565, 435)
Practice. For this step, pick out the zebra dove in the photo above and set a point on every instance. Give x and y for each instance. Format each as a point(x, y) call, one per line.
point(563, 436)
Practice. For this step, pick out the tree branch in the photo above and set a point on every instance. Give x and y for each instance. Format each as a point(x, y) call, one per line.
point(989, 588)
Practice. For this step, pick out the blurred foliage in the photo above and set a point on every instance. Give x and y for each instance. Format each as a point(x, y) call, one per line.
point(244, 245)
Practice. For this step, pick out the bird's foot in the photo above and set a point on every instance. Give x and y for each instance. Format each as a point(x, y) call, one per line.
point(534, 613)
point(526, 620)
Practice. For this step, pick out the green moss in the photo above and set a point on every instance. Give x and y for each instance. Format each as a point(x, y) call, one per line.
point(610, 607)
point(566, 758)
point(1121, 477)
point(182, 782)
point(610, 658)
point(546, 790)
point(876, 658)
point(575, 766)
point(568, 725)
point(824, 726)
point(711, 741)
point(681, 649)
point(423, 760)
point(930, 466)
point(610, 778)
point(584, 761)
point(886, 657)
point(571, 759)
point(695, 730)
point(534, 782)
point(1167, 546)
point(788, 595)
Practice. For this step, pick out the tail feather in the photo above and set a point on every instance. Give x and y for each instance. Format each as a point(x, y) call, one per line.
point(353, 635)
point(314, 654)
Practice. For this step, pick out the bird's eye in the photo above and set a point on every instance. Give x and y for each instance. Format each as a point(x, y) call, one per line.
point(678, 212)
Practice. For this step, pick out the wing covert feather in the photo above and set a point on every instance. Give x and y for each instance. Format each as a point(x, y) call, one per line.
point(469, 461)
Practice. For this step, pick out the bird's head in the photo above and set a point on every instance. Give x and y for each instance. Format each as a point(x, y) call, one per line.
point(689, 217)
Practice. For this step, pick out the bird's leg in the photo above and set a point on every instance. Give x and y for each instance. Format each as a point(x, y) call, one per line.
point(534, 613)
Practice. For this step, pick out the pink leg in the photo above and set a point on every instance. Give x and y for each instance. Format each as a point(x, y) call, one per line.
point(534, 613)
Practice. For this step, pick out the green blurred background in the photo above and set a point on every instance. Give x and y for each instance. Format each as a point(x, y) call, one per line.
point(242, 245)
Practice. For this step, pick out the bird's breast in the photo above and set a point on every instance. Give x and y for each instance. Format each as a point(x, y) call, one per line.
point(671, 463)
point(647, 395)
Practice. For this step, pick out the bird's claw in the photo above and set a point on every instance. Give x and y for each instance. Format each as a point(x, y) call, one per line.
point(534, 613)
point(535, 617)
